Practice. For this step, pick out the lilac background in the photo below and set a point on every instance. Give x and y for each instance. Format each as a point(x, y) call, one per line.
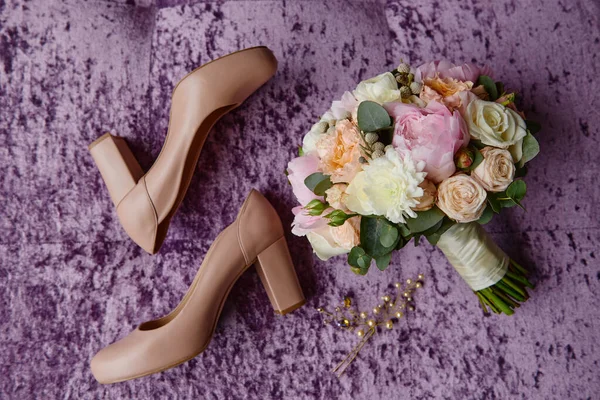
point(71, 281)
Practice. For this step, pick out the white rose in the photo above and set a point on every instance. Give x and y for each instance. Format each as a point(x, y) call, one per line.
point(496, 171)
point(330, 241)
point(494, 124)
point(381, 89)
point(388, 186)
point(461, 198)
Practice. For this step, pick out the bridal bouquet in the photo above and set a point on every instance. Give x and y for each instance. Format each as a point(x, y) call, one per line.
point(430, 152)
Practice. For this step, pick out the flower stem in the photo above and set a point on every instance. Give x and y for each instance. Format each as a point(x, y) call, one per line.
point(506, 294)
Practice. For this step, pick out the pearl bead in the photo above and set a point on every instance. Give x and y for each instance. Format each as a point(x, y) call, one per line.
point(371, 323)
point(320, 309)
point(406, 294)
point(364, 315)
point(409, 281)
point(420, 276)
point(399, 314)
point(411, 308)
point(418, 285)
point(397, 284)
point(409, 299)
point(360, 333)
point(386, 298)
point(389, 324)
point(376, 310)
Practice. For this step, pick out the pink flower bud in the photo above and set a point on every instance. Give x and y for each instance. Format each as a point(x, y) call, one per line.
point(464, 158)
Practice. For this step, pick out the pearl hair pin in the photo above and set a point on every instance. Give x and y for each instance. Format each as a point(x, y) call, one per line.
point(365, 324)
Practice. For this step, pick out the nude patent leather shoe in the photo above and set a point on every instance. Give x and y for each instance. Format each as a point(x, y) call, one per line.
point(146, 202)
point(256, 237)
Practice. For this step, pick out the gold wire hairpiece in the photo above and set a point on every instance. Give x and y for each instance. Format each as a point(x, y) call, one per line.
point(366, 324)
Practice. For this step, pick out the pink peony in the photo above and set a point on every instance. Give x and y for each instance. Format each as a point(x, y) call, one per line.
point(298, 169)
point(431, 134)
point(445, 69)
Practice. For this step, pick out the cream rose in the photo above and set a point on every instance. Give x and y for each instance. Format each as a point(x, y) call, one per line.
point(461, 198)
point(428, 199)
point(329, 241)
point(494, 124)
point(496, 171)
point(381, 89)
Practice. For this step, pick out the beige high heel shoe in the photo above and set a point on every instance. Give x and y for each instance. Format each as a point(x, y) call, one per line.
point(256, 236)
point(146, 203)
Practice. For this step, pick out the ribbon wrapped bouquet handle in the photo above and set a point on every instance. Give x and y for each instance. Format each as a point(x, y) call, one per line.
point(499, 282)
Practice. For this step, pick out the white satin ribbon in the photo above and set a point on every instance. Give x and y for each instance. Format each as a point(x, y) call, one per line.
point(473, 253)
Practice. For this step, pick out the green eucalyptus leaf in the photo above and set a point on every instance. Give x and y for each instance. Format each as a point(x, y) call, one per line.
point(371, 229)
point(318, 183)
point(489, 86)
point(477, 158)
point(531, 148)
point(494, 203)
point(417, 240)
point(300, 151)
point(499, 201)
point(372, 117)
point(477, 144)
point(500, 88)
point(434, 228)
point(358, 258)
point(383, 262)
point(435, 237)
point(517, 190)
point(389, 234)
point(425, 220)
point(402, 241)
point(521, 172)
point(533, 126)
point(404, 231)
point(487, 215)
point(359, 271)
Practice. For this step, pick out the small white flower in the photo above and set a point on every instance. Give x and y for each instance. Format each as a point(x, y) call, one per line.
point(381, 89)
point(387, 186)
point(494, 124)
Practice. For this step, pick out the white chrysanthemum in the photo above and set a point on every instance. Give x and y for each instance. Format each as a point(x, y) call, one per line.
point(387, 186)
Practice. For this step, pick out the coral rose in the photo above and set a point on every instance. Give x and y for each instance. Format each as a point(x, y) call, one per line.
point(339, 151)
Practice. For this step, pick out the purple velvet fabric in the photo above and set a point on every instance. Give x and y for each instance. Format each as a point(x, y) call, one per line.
point(71, 282)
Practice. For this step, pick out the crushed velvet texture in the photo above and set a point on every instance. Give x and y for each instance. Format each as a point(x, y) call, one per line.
point(72, 282)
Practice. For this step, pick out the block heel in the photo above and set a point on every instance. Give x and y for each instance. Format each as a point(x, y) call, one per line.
point(117, 164)
point(276, 270)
